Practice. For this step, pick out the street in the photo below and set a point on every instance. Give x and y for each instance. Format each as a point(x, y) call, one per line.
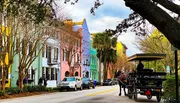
point(102, 94)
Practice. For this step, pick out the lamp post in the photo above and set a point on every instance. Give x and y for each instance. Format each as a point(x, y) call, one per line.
point(176, 72)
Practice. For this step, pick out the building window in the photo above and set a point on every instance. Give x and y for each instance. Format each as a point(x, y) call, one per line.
point(52, 74)
point(76, 73)
point(56, 73)
point(48, 77)
point(43, 51)
point(43, 72)
point(55, 53)
point(64, 55)
point(30, 74)
point(46, 51)
point(66, 74)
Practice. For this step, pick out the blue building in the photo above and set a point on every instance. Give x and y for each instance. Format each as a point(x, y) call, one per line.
point(85, 46)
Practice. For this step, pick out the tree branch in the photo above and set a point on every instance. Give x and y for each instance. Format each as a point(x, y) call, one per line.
point(158, 17)
point(169, 5)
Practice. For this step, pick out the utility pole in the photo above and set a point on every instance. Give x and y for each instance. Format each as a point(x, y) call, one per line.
point(176, 75)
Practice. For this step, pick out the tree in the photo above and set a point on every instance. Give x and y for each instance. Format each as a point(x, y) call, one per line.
point(70, 42)
point(157, 43)
point(104, 43)
point(157, 16)
point(29, 41)
point(22, 20)
point(111, 60)
point(6, 51)
point(98, 43)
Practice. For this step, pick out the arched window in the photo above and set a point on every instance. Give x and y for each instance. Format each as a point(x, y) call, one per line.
point(66, 74)
point(87, 74)
point(76, 73)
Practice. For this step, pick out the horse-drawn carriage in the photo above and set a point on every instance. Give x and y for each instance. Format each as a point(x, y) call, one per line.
point(147, 81)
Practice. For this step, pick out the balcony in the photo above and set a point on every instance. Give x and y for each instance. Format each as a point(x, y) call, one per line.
point(52, 61)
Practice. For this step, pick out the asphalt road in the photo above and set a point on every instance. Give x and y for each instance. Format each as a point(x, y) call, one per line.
point(103, 94)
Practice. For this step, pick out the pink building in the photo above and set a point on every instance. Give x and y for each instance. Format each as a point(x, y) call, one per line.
point(71, 51)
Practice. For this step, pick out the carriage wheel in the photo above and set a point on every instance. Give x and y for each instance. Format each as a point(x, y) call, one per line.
point(149, 96)
point(158, 97)
point(130, 93)
point(135, 94)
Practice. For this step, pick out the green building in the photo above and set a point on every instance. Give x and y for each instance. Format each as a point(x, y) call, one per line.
point(34, 71)
point(93, 63)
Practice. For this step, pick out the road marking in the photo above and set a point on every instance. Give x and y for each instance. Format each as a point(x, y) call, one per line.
point(101, 92)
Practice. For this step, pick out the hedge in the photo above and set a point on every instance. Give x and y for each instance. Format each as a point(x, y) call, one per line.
point(169, 87)
point(16, 90)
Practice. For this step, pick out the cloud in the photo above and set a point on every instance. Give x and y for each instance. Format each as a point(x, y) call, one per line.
point(106, 22)
point(128, 39)
point(107, 17)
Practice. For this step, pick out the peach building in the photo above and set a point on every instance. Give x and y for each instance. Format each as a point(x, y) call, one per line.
point(71, 51)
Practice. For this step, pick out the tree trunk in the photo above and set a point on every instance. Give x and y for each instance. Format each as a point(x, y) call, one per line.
point(158, 17)
point(72, 71)
point(105, 68)
point(3, 78)
point(21, 77)
point(100, 59)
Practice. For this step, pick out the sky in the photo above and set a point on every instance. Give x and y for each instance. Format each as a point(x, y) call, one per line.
point(106, 17)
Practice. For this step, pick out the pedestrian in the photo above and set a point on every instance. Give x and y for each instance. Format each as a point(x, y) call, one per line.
point(40, 81)
point(44, 81)
point(95, 82)
point(25, 81)
point(17, 82)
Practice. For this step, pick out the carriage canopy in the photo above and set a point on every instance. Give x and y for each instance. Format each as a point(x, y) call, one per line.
point(146, 56)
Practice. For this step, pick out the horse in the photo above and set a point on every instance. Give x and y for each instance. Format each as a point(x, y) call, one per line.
point(122, 80)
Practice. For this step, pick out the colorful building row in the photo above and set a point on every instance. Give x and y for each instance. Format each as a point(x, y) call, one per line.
point(72, 42)
point(53, 62)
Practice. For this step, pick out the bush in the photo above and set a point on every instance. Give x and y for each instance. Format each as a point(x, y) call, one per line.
point(16, 90)
point(34, 88)
point(49, 89)
point(13, 90)
point(2, 93)
point(169, 87)
point(56, 89)
point(98, 83)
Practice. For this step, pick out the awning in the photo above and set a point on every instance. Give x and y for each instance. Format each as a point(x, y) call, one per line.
point(146, 56)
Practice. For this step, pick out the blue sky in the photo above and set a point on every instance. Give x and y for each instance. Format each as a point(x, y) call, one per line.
point(106, 17)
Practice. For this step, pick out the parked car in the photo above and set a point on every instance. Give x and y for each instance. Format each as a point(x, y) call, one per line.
point(108, 82)
point(115, 81)
point(71, 83)
point(88, 83)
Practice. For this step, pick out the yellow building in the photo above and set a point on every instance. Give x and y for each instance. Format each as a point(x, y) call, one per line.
point(5, 30)
point(121, 49)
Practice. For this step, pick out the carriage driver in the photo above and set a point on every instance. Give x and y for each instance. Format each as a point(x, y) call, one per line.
point(140, 66)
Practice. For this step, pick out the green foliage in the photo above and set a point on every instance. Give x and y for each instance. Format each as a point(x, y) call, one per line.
point(31, 9)
point(49, 89)
point(156, 65)
point(104, 42)
point(13, 90)
point(16, 90)
point(98, 83)
point(34, 89)
point(2, 93)
point(157, 43)
point(169, 87)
